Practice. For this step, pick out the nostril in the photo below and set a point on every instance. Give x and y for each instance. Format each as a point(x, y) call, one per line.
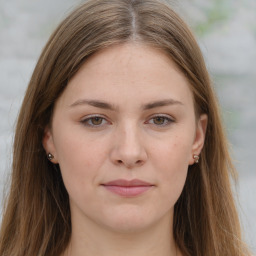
point(139, 162)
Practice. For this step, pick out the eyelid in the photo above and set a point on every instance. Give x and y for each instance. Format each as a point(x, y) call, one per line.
point(167, 117)
point(85, 119)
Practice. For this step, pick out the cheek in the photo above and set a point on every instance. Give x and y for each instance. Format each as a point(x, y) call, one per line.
point(171, 161)
point(174, 153)
point(80, 166)
point(78, 148)
point(80, 160)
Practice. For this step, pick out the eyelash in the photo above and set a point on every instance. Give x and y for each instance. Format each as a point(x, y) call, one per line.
point(167, 120)
point(88, 121)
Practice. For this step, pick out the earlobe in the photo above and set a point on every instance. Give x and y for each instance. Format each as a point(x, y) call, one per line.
point(49, 146)
point(199, 137)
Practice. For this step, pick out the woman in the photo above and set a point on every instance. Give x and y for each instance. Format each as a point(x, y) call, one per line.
point(119, 147)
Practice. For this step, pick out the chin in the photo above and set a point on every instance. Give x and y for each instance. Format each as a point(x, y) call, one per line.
point(132, 221)
point(130, 226)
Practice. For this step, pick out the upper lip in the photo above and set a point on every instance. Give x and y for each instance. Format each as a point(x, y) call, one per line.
point(127, 183)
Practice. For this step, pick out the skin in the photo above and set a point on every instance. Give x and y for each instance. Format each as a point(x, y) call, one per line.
point(131, 137)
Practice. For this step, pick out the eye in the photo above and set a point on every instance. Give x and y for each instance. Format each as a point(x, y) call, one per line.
point(160, 120)
point(94, 121)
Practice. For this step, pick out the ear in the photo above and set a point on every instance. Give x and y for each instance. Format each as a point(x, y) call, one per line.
point(199, 137)
point(48, 144)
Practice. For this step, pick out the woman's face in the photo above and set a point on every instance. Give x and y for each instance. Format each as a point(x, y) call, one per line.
point(124, 133)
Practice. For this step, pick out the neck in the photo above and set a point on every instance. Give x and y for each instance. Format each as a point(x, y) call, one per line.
point(94, 240)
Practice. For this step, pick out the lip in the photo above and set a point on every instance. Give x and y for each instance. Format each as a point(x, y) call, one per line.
point(127, 188)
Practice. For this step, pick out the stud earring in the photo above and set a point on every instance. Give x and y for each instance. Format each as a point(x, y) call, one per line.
point(196, 157)
point(50, 156)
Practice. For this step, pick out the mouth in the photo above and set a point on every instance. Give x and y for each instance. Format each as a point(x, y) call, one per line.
point(128, 188)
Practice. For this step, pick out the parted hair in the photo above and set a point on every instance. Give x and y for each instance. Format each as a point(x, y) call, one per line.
point(36, 217)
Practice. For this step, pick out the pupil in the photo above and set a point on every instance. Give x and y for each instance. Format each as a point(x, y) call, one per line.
point(159, 120)
point(97, 120)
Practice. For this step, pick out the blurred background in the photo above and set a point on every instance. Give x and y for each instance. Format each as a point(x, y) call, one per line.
point(226, 32)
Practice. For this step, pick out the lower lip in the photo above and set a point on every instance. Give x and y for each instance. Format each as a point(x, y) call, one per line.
point(128, 191)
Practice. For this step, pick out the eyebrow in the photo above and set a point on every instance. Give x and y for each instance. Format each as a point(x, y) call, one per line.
point(161, 103)
point(105, 105)
point(94, 103)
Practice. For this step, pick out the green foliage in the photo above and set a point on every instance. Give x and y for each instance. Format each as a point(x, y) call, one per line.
point(216, 15)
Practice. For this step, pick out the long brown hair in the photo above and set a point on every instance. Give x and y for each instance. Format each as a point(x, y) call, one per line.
point(36, 219)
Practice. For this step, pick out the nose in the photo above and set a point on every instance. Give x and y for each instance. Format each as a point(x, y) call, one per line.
point(128, 149)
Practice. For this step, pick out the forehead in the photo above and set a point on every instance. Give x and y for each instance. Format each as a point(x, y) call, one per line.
point(130, 57)
point(128, 72)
